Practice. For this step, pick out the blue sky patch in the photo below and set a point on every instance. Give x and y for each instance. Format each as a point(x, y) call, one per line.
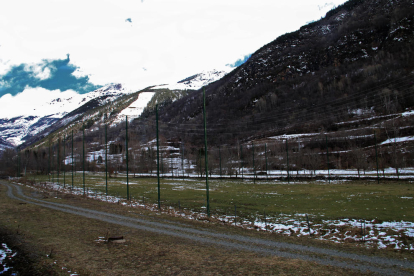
point(50, 74)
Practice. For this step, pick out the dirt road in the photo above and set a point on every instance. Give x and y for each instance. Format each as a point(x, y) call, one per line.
point(361, 263)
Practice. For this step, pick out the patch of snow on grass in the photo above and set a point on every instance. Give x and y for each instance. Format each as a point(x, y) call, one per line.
point(386, 234)
point(5, 252)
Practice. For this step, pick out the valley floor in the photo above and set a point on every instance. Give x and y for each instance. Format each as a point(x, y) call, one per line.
point(72, 232)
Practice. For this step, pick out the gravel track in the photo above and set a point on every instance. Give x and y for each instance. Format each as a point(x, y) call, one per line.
point(360, 263)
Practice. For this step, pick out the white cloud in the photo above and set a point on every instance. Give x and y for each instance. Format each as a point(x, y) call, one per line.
point(36, 102)
point(39, 71)
point(4, 84)
point(171, 39)
point(4, 66)
point(43, 74)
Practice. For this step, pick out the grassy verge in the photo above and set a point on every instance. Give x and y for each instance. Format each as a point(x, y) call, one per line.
point(63, 242)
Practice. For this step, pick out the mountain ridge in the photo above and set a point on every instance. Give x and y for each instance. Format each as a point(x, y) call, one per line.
point(309, 80)
point(17, 130)
point(105, 102)
point(358, 45)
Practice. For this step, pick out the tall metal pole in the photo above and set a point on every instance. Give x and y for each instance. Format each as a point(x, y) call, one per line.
point(158, 159)
point(220, 161)
point(376, 155)
point(327, 158)
point(266, 160)
point(64, 162)
point(205, 152)
point(241, 160)
point(182, 159)
point(171, 165)
point(73, 160)
point(49, 159)
point(83, 157)
point(58, 161)
point(254, 168)
point(287, 159)
point(106, 159)
point(126, 153)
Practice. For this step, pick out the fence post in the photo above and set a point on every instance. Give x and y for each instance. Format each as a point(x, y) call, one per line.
point(64, 162)
point(158, 158)
point(327, 158)
point(83, 157)
point(73, 160)
point(171, 166)
point(205, 152)
point(220, 162)
point(126, 154)
point(49, 160)
point(106, 159)
point(20, 165)
point(241, 161)
point(254, 168)
point(58, 161)
point(267, 177)
point(182, 158)
point(376, 155)
point(287, 161)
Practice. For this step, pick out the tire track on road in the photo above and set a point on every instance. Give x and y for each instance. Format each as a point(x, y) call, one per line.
point(322, 256)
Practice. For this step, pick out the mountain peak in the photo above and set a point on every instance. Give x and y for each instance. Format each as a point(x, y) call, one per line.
point(196, 81)
point(45, 111)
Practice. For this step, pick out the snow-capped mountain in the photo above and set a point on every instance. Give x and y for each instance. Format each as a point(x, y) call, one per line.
point(17, 129)
point(4, 144)
point(43, 110)
point(23, 125)
point(148, 99)
point(197, 81)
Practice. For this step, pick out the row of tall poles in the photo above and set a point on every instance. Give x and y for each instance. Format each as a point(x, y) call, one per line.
point(126, 156)
point(158, 158)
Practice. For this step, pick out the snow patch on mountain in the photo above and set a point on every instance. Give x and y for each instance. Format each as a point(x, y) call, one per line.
point(35, 109)
point(197, 81)
point(42, 102)
point(135, 109)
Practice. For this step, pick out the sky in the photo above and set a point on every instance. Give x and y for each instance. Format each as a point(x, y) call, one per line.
point(81, 45)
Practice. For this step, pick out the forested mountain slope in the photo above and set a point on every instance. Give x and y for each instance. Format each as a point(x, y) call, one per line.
point(356, 62)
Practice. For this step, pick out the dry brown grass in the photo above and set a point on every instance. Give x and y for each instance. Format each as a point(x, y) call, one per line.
point(72, 242)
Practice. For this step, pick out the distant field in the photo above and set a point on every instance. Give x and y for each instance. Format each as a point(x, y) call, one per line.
point(387, 201)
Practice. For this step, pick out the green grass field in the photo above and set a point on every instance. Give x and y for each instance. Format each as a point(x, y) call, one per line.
point(387, 201)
